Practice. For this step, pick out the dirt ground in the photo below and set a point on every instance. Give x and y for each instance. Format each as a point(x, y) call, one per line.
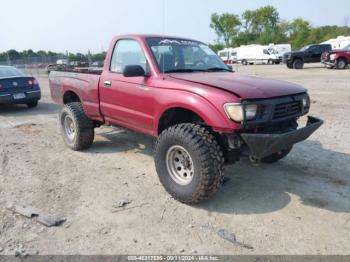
point(300, 205)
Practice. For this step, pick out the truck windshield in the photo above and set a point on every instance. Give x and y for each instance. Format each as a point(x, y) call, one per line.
point(181, 55)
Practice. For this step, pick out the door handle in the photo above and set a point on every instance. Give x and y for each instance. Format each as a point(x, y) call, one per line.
point(107, 83)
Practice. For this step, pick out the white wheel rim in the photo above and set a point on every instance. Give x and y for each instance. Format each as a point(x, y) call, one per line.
point(179, 165)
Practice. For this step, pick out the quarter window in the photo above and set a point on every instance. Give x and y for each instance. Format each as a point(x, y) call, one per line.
point(127, 52)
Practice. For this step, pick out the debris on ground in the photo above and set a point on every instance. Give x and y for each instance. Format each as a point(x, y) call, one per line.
point(231, 237)
point(122, 202)
point(40, 216)
point(25, 127)
point(118, 209)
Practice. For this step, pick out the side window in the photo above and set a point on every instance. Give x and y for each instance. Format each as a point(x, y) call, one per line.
point(127, 52)
point(266, 52)
point(315, 49)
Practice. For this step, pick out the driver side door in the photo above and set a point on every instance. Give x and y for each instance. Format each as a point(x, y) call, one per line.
point(127, 101)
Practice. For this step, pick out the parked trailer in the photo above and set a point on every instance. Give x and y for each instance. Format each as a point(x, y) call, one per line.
point(338, 43)
point(228, 55)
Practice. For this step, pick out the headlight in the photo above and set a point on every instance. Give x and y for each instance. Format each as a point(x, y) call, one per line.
point(306, 102)
point(332, 56)
point(239, 112)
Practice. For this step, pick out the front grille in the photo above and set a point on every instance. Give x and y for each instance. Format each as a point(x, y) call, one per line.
point(287, 109)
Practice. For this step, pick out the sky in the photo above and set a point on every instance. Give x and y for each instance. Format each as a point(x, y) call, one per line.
point(82, 25)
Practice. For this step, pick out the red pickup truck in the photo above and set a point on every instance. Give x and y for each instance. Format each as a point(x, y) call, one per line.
point(338, 58)
point(179, 91)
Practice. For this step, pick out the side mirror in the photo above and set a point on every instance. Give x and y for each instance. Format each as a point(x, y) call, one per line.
point(133, 71)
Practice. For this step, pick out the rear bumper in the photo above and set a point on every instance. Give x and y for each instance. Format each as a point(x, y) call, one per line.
point(31, 96)
point(263, 145)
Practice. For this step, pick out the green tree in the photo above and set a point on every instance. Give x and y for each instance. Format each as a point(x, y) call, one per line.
point(261, 26)
point(226, 26)
point(299, 33)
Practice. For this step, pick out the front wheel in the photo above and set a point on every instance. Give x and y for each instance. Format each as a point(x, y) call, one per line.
point(276, 156)
point(76, 128)
point(189, 162)
point(298, 64)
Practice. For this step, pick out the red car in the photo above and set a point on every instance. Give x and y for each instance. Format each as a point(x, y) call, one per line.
point(179, 91)
point(338, 59)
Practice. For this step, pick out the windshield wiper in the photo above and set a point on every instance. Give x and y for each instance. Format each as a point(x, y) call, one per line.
point(215, 69)
point(183, 70)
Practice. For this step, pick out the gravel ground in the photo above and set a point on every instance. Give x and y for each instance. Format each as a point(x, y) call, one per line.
point(300, 205)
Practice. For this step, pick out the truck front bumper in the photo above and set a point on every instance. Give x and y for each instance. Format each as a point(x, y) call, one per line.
point(328, 63)
point(263, 145)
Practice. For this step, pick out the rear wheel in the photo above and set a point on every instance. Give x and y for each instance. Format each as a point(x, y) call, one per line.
point(276, 156)
point(189, 162)
point(244, 62)
point(32, 104)
point(298, 64)
point(341, 63)
point(289, 66)
point(77, 129)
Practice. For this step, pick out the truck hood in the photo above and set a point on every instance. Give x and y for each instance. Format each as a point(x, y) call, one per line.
point(245, 87)
point(295, 53)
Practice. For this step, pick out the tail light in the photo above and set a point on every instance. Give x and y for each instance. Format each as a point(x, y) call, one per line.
point(32, 82)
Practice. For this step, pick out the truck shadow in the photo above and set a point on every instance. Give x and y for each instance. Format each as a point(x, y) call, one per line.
point(43, 108)
point(311, 175)
point(116, 140)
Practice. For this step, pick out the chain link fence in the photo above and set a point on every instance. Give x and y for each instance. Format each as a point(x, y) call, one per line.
point(33, 65)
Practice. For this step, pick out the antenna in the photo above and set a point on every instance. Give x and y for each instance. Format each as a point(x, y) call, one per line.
point(163, 29)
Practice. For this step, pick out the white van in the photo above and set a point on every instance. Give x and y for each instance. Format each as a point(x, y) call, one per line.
point(279, 49)
point(256, 54)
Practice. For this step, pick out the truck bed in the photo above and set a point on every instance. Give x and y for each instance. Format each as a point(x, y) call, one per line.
point(83, 82)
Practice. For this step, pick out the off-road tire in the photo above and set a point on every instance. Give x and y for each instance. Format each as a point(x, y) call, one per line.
point(276, 156)
point(84, 127)
point(207, 158)
point(341, 63)
point(298, 64)
point(290, 66)
point(32, 104)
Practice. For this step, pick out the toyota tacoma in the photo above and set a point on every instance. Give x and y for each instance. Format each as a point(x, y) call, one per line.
point(203, 115)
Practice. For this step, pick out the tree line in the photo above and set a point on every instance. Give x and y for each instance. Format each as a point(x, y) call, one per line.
point(14, 55)
point(264, 26)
